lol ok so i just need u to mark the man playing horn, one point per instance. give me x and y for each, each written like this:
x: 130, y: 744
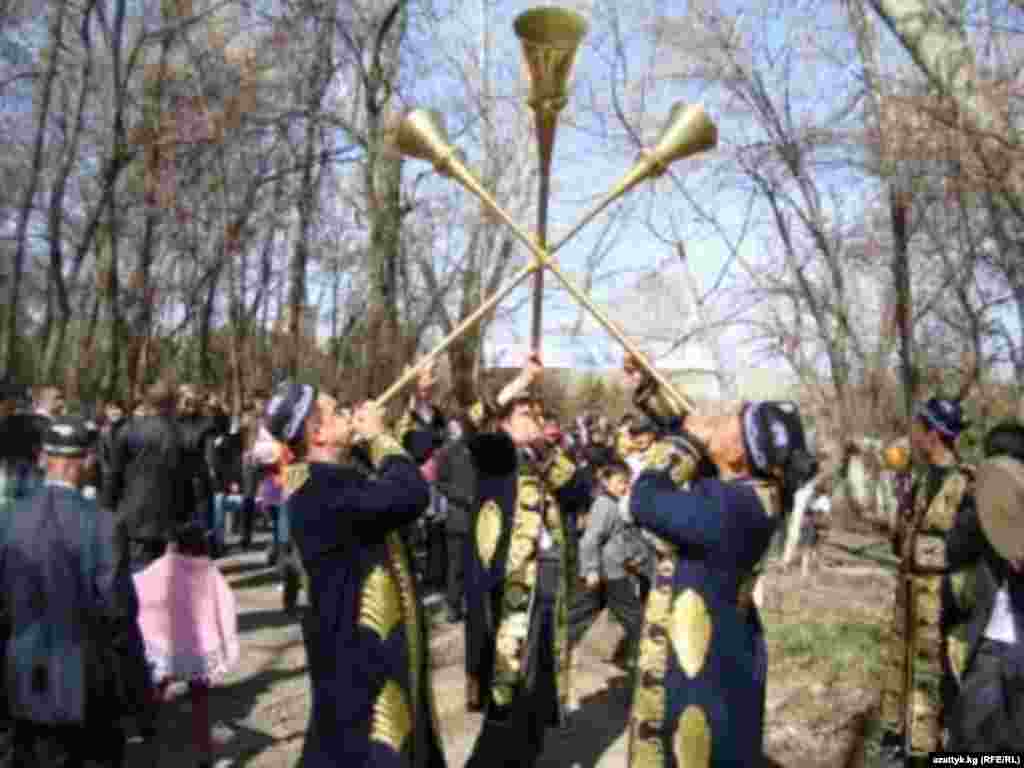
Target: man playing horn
x: 366, y: 637
x: 517, y: 581
x: 699, y: 694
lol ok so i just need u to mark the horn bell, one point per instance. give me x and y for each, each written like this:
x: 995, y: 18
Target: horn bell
x: 422, y: 134
x: 688, y: 131
x: 550, y: 38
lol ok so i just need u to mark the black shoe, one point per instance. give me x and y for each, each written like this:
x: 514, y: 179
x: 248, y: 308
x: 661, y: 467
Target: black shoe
x: 271, y: 557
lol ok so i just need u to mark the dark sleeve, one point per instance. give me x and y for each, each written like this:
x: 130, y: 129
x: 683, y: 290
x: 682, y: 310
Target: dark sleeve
x: 113, y: 474
x: 965, y: 542
x: 713, y: 519
x: 448, y: 480
x: 685, y: 518
x: 370, y: 507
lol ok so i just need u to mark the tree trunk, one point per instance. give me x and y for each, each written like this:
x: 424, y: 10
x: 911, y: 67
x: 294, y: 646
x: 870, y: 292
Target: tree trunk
x: 9, y: 341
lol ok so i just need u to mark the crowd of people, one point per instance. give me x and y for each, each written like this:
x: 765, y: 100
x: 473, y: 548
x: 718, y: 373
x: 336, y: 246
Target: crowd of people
x: 523, y: 528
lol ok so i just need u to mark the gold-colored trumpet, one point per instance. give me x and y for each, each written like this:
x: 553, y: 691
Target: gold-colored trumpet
x: 550, y: 38
x: 421, y: 133
x: 687, y: 132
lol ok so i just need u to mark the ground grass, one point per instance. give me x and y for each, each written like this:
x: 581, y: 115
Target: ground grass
x: 844, y: 647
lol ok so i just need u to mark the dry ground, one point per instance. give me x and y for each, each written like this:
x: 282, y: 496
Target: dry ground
x: 824, y: 673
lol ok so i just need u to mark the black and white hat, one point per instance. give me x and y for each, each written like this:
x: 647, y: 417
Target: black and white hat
x: 67, y: 437
x: 287, y: 411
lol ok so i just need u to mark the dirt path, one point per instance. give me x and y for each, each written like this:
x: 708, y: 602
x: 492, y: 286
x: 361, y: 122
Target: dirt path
x: 817, y: 695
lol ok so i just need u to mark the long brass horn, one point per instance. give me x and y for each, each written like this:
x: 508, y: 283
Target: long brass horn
x: 550, y: 38
x: 421, y: 133
x: 687, y: 132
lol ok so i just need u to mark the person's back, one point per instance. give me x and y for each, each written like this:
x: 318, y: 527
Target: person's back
x: 149, y: 488
x: 54, y: 576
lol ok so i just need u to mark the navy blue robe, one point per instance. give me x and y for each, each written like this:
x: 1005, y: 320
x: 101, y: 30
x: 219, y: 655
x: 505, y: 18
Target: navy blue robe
x: 366, y: 638
x: 699, y: 698
x: 518, y: 606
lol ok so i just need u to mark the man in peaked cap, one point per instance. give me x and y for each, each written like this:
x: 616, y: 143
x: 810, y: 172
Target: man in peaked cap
x: 366, y: 636
x: 924, y: 650
x: 988, y: 714
x: 61, y: 590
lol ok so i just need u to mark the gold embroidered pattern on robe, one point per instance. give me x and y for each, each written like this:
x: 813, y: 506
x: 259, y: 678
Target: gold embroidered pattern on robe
x: 647, y: 717
x: 410, y: 612
x: 691, y: 632
x: 693, y: 739
x: 925, y: 549
x: 561, y: 471
x: 520, y: 581
x: 488, y: 531
x: 392, y: 720
x: 295, y: 476
x: 380, y: 606
x: 384, y: 446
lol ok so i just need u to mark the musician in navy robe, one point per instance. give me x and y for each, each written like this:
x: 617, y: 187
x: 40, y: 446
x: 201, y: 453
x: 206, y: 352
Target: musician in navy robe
x: 712, y: 499
x: 366, y: 637
x: 518, y: 582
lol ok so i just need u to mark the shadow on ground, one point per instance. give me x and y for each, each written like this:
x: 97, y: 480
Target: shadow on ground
x: 591, y: 730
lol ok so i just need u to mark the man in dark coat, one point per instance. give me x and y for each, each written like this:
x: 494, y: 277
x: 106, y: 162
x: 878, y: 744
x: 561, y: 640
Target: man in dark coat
x: 149, y: 487
x: 988, y: 539
x: 199, y: 431
x: 60, y: 588
x: 456, y: 481
x: 366, y: 637
x: 518, y: 583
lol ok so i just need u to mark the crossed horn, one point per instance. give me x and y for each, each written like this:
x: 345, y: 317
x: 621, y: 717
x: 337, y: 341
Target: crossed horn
x: 550, y: 38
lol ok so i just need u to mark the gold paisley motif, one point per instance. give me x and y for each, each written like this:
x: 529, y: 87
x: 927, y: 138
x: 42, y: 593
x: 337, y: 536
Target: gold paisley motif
x: 693, y: 739
x: 683, y: 470
x: 561, y: 471
x: 520, y: 551
x: 392, y: 720
x: 646, y: 753
x: 691, y: 632
x: 528, y: 493
x: 295, y: 476
x: 488, y: 531
x: 410, y: 611
x: 659, y: 604
x: 653, y: 656
x: 658, y: 456
x: 380, y: 607
x: 649, y: 705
